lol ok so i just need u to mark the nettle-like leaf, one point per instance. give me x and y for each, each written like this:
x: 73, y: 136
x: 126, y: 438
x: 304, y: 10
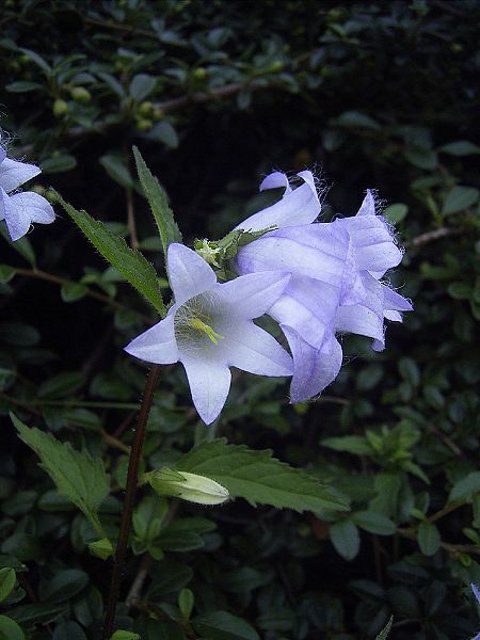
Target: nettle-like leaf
x: 133, y: 266
x: 157, y: 199
x: 383, y: 635
x: 76, y: 474
x: 259, y: 478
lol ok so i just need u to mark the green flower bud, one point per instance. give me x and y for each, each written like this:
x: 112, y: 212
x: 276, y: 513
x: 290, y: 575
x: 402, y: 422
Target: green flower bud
x: 143, y: 124
x: 145, y: 108
x: 200, y: 73
x: 60, y: 108
x: 80, y: 94
x: 101, y: 548
x: 188, y: 486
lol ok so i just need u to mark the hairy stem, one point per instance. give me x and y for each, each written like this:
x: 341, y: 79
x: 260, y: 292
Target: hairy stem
x: 129, y: 501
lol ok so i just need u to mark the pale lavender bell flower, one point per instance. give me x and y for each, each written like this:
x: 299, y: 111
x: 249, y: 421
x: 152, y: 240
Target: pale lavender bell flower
x: 476, y: 593
x: 336, y: 271
x: 210, y: 328
x: 19, y: 210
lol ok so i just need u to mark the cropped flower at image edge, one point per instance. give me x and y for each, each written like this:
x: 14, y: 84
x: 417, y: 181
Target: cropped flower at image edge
x: 19, y: 210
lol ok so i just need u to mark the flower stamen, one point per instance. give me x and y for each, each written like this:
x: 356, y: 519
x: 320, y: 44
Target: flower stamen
x: 200, y: 325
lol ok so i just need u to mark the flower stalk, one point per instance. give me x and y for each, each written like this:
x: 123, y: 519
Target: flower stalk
x: 129, y: 502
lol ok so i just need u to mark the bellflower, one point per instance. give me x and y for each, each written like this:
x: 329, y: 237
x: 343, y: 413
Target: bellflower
x: 476, y: 593
x: 19, y: 210
x: 209, y: 328
x: 335, y: 286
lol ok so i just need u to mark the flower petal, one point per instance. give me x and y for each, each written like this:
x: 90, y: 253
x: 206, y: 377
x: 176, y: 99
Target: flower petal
x: 209, y: 382
x: 157, y: 344
x: 314, y: 369
x: 34, y: 206
x: 297, y: 250
x: 275, y: 180
x: 375, y: 248
x: 308, y: 306
x: 16, y: 218
x: 394, y: 301
x: 300, y: 206
x: 252, y: 295
x: 365, y: 319
x: 367, y: 208
x: 252, y: 349
x: 14, y: 173
x: 188, y: 273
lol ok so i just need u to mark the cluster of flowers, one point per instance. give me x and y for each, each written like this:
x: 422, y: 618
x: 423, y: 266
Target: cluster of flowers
x: 20, y: 210
x: 315, y: 279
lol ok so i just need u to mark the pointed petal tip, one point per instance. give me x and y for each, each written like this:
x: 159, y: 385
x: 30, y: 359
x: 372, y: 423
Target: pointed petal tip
x: 368, y: 205
x: 275, y: 180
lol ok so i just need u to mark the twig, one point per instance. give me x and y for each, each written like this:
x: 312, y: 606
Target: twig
x: 132, y: 228
x: 431, y: 236
x: 50, y: 277
x: 137, y: 584
x: 129, y: 501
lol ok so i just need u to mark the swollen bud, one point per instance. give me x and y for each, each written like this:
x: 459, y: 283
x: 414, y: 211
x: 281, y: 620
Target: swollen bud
x: 188, y: 486
x: 80, y: 94
x: 60, y: 108
x: 101, y: 548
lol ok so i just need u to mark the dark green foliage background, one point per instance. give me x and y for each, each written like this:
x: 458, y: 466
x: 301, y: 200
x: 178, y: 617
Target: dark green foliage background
x: 215, y: 94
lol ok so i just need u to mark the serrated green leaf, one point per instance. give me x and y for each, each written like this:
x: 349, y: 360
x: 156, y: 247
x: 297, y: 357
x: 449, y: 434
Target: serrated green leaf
x: 221, y: 625
x: 383, y: 635
x: 259, y: 478
x: 131, y: 264
x: 157, y: 199
x: 76, y: 474
x: 428, y: 538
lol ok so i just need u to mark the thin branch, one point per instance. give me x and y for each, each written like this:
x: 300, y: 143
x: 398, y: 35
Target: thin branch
x: 50, y: 277
x: 432, y: 236
x: 129, y: 502
x: 132, y: 227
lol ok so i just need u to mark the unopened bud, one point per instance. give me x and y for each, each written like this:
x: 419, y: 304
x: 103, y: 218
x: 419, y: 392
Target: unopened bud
x: 80, y: 94
x: 188, y: 486
x: 60, y: 108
